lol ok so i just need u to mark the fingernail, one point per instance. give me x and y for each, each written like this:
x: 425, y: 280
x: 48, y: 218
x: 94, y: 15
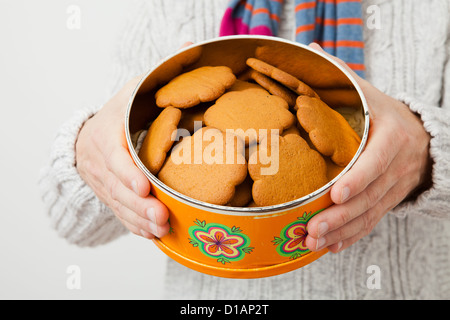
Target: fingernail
x: 320, y: 243
x: 345, y: 194
x: 322, y: 228
x: 144, y: 233
x: 339, y: 246
x: 134, y: 186
x: 151, y: 214
x: 153, y: 228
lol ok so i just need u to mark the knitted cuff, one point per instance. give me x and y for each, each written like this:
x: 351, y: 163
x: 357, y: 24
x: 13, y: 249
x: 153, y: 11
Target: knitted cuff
x: 432, y: 202
x: 74, y: 210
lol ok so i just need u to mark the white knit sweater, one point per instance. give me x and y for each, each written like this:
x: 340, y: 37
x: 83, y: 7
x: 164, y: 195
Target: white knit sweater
x: 408, y: 58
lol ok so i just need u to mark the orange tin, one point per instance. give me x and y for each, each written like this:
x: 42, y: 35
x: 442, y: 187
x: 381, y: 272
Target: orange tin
x: 239, y: 242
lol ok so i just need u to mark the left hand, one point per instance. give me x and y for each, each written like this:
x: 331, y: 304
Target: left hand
x: 394, y: 163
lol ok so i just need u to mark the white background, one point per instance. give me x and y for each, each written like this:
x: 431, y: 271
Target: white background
x: 46, y: 72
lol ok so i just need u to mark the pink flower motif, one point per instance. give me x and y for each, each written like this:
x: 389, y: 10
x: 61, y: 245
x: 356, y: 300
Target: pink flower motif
x: 217, y: 241
x: 297, y: 235
x: 291, y: 241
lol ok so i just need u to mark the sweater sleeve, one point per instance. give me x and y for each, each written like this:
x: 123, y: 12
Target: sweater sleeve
x: 74, y: 210
x: 434, y: 201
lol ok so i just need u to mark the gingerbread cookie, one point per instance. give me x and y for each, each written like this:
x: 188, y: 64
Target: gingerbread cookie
x: 249, y: 111
x: 171, y: 68
x: 228, y: 53
x: 159, y: 139
x: 274, y: 87
x: 328, y: 130
x: 252, y: 204
x: 200, y: 166
x: 291, y: 130
x: 300, y: 171
x: 309, y: 67
x: 190, y: 116
x: 199, y: 85
x: 340, y: 98
x: 246, y: 75
x: 243, y: 194
x: 333, y: 170
x: 240, y: 85
x: 282, y: 77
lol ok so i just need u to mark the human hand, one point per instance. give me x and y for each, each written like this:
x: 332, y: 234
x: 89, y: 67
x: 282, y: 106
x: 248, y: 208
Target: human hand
x: 104, y: 163
x: 395, y: 163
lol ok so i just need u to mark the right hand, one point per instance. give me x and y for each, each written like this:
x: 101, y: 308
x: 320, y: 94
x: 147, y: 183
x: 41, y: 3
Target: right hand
x: 104, y: 163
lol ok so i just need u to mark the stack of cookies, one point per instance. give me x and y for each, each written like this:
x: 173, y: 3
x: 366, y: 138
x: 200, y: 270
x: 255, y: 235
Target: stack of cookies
x: 256, y: 139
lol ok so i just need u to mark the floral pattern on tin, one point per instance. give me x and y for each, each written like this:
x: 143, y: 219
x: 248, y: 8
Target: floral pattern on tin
x: 219, y: 241
x: 291, y: 242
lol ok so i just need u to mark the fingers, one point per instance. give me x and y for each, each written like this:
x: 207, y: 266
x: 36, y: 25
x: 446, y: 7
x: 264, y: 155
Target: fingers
x: 119, y: 162
x: 348, y: 233
x: 373, y: 162
x: 339, y: 226
x: 147, y: 214
x: 389, y: 168
x: 141, y: 227
x: 144, y: 216
x: 117, y: 159
x: 125, y: 189
x: 105, y: 164
x: 341, y: 214
x: 342, y: 238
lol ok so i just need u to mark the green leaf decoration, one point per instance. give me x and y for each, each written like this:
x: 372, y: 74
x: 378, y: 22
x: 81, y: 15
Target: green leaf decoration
x: 201, y: 224
x: 295, y: 256
x: 223, y: 260
x: 277, y: 240
x: 193, y: 242
x: 248, y: 250
x: 308, y: 215
x: 236, y: 229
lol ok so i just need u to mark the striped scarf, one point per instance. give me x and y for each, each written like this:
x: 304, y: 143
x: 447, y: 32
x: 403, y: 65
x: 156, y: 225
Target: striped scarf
x: 336, y: 25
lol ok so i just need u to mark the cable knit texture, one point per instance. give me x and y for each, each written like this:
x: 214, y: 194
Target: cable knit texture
x: 74, y: 210
x: 407, y: 58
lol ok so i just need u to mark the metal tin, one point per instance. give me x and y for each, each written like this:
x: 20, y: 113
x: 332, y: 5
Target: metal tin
x: 238, y: 242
